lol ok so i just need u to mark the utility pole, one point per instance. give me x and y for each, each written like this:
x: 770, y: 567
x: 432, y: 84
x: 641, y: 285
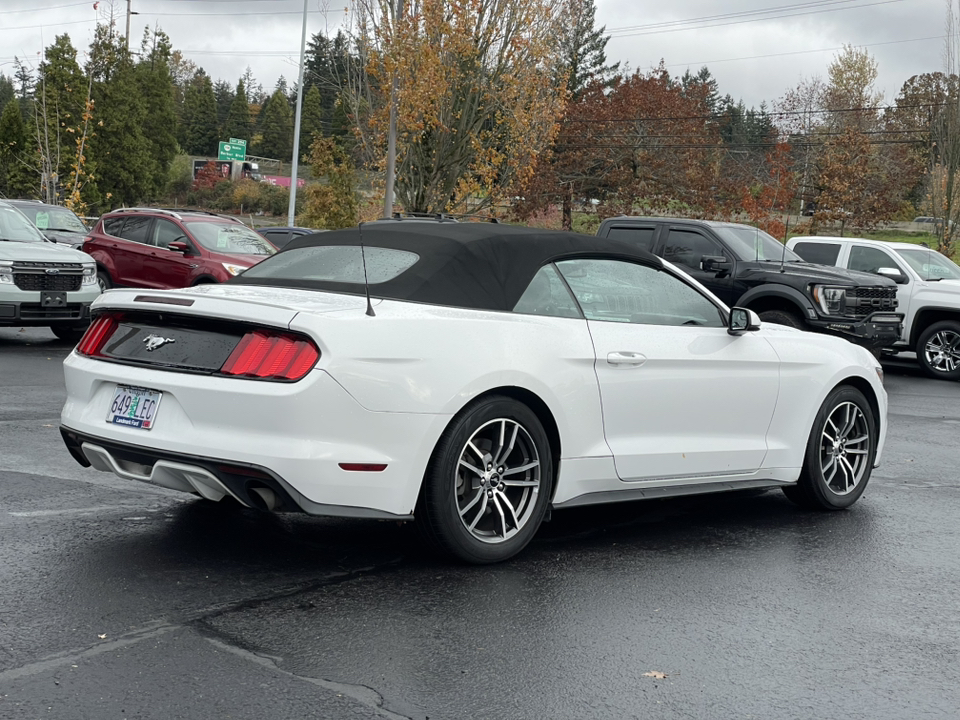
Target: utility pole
x: 291, y: 208
x: 392, y: 132
x: 129, y: 13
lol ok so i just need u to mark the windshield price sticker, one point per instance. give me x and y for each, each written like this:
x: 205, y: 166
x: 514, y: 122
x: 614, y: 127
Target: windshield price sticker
x: 134, y: 407
x: 43, y: 220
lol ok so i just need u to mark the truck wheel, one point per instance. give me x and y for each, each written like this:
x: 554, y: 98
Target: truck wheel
x: 781, y: 317
x: 938, y: 350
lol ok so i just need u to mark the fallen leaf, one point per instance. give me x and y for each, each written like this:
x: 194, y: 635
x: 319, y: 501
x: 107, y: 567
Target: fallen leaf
x: 655, y: 674
x: 102, y: 637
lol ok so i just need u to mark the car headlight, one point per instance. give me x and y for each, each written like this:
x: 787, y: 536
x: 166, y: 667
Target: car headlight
x: 233, y: 269
x: 6, y: 272
x: 89, y: 274
x: 830, y: 299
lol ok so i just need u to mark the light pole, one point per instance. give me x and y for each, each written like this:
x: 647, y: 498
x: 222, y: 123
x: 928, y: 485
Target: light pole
x: 291, y: 208
x: 392, y: 132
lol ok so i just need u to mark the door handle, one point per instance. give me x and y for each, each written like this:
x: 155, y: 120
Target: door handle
x: 628, y: 359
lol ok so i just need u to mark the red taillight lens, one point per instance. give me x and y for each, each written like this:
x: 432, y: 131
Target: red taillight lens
x: 97, y: 335
x: 271, y: 356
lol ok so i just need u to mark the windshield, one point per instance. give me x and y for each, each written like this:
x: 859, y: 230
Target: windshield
x: 15, y: 227
x: 752, y: 244
x: 53, y: 218
x: 229, y: 237
x: 930, y: 265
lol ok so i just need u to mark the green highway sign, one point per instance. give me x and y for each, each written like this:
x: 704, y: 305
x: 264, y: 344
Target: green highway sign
x: 238, y: 141
x: 232, y: 151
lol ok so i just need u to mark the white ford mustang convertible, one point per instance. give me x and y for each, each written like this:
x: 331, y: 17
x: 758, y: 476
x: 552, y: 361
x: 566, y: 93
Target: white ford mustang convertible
x: 469, y: 375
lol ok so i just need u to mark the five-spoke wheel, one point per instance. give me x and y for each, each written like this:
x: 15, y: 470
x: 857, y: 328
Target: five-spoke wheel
x: 840, y: 452
x: 488, y: 484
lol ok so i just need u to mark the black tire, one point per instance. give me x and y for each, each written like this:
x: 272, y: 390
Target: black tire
x: 103, y: 280
x: 938, y: 351
x: 828, y: 487
x: 69, y: 333
x: 781, y: 317
x: 454, y: 497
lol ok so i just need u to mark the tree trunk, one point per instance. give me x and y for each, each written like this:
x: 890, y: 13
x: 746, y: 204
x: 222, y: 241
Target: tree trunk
x: 568, y: 207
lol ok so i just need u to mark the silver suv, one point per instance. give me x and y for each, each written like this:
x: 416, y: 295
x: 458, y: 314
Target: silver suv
x: 42, y: 283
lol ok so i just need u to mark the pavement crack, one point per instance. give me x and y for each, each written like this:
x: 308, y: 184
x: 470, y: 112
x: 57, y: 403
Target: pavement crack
x: 362, y: 694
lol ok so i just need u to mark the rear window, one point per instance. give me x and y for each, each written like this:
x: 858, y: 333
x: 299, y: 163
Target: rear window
x: 642, y: 237
x: 336, y: 264
x: 818, y: 253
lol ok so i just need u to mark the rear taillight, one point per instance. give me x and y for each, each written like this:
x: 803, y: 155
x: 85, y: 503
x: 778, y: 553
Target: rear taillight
x: 271, y: 356
x: 97, y: 335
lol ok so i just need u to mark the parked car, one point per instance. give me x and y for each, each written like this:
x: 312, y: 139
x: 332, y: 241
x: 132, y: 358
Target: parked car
x: 747, y: 267
x: 57, y: 223
x: 928, y: 291
x: 280, y: 236
x: 491, y: 373
x: 41, y: 283
x: 157, y: 248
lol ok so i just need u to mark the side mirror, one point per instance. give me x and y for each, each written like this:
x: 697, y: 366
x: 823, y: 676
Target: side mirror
x: 742, y: 320
x: 715, y: 263
x: 179, y: 246
x: 894, y: 274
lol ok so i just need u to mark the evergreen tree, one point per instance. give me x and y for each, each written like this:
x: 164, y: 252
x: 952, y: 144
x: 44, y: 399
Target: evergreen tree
x: 582, y: 48
x: 126, y: 167
x: 311, y: 117
x: 238, y: 120
x: 16, y: 177
x: 24, y: 82
x: 201, y: 136
x: 7, y: 91
x: 156, y: 88
x: 277, y: 127
x: 702, y: 84
x: 328, y: 64
x: 223, y: 94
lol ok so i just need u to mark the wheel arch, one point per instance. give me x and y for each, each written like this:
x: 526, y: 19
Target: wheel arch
x: 864, y: 387
x: 786, y: 298
x: 927, y: 317
x: 539, y: 408
x: 204, y: 280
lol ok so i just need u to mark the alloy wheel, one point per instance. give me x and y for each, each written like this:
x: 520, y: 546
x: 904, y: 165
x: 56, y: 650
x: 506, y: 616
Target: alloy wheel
x: 844, y: 448
x: 497, y: 480
x: 941, y: 352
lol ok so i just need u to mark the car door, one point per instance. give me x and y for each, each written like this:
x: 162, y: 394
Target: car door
x: 681, y: 397
x: 867, y: 258
x: 131, y: 254
x: 170, y: 268
x: 686, y: 247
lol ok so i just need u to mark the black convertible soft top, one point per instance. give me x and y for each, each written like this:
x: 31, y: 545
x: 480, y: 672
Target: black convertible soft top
x: 482, y: 266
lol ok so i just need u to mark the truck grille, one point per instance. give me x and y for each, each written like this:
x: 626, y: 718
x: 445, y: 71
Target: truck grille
x: 34, y: 276
x: 863, y: 301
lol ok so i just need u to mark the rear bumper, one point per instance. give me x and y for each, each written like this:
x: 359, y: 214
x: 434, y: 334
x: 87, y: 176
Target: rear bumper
x: 877, y: 330
x: 236, y: 435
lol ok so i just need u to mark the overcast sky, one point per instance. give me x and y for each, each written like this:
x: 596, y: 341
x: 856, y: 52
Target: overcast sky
x: 755, y: 48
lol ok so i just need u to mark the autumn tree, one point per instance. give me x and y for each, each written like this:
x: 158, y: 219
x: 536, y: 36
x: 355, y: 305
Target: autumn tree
x: 333, y: 202
x: 476, y: 104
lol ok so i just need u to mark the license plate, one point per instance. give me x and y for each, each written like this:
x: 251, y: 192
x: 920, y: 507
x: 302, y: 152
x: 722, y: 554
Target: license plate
x: 134, y: 407
x: 53, y: 299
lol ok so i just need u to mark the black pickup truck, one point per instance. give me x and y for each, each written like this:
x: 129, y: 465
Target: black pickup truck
x: 748, y: 268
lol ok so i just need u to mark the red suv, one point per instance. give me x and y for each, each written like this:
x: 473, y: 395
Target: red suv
x: 154, y: 248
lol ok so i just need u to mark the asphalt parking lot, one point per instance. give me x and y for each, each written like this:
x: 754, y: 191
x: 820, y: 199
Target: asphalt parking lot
x: 118, y: 600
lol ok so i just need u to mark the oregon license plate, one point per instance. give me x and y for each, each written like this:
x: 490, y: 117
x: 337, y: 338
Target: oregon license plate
x: 134, y: 407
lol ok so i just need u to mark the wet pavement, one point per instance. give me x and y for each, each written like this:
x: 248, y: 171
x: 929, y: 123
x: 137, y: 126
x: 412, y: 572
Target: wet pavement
x: 118, y: 600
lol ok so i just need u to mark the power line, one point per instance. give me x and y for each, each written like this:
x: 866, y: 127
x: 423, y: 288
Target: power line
x: 52, y: 7
x: 53, y: 24
x: 766, y: 113
x: 802, y: 52
x: 728, y: 16
x: 752, y: 20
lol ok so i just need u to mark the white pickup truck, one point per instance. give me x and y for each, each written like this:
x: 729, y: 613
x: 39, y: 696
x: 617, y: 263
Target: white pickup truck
x: 928, y: 291
x: 43, y: 283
